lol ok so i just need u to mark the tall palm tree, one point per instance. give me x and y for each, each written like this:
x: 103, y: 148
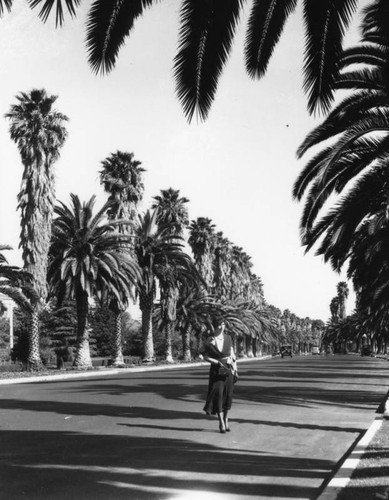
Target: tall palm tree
x: 156, y: 253
x: 206, y: 37
x: 88, y: 260
x: 334, y: 309
x: 201, y: 240
x: 172, y: 211
x: 342, y: 293
x: 172, y: 215
x: 39, y: 132
x: 222, y: 265
x: 122, y: 178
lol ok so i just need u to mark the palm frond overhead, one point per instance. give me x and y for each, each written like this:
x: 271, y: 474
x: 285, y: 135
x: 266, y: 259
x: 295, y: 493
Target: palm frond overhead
x: 5, y: 5
x: 265, y: 26
x: 325, y: 22
x: 48, y: 5
x: 364, y: 53
x: 108, y: 25
x: 205, y: 40
x: 365, y: 78
x: 351, y: 109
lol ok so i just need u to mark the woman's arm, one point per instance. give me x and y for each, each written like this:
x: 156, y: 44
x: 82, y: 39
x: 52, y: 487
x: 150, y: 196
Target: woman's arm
x: 213, y: 361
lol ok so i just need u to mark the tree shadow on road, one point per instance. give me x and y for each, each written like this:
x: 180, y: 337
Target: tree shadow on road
x: 64, y: 465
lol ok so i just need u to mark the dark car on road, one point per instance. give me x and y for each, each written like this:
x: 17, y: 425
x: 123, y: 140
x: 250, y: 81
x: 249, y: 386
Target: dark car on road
x: 286, y: 350
x: 366, y: 350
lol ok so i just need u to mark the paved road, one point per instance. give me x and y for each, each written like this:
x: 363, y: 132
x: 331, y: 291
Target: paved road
x: 144, y: 437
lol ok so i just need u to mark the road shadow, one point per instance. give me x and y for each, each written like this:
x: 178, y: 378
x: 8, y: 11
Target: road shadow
x: 63, y: 465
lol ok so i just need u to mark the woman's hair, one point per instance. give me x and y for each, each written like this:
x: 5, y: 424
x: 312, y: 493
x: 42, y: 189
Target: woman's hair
x: 216, y: 322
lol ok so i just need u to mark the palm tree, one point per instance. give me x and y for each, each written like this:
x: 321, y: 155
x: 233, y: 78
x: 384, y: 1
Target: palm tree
x: 201, y: 240
x: 342, y: 292
x: 334, y: 308
x: 222, y: 265
x: 172, y: 216
x: 15, y: 283
x: 122, y: 177
x: 353, y: 166
x: 88, y: 260
x: 172, y: 211
x: 39, y: 132
x: 156, y: 253
x: 206, y: 37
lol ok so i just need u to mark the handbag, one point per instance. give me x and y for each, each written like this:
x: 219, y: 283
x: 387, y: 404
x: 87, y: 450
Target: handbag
x: 223, y: 371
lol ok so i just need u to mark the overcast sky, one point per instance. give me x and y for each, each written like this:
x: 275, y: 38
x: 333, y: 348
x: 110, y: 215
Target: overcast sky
x: 238, y: 168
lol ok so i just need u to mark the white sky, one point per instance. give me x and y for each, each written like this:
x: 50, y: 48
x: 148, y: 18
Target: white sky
x: 238, y: 168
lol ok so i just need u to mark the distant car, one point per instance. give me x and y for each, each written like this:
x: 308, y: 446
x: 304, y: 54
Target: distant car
x: 366, y: 350
x: 286, y: 350
x: 315, y: 350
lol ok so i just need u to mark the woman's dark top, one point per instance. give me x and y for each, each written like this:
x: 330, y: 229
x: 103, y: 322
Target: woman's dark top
x: 220, y: 387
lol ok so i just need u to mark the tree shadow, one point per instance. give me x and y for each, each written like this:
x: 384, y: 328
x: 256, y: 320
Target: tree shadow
x: 65, y: 465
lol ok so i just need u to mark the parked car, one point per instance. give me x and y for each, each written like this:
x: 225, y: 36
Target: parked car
x: 315, y: 350
x: 286, y: 350
x: 366, y: 350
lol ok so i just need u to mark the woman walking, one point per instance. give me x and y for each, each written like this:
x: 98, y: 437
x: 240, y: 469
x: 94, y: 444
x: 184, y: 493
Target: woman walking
x: 219, y: 352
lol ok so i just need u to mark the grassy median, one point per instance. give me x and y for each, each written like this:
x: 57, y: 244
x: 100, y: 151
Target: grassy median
x: 370, y: 479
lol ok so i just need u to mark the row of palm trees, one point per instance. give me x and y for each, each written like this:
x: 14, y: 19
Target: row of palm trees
x: 117, y: 254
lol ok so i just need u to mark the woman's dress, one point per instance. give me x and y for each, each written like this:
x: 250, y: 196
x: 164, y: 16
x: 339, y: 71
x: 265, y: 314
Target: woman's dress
x: 220, y: 387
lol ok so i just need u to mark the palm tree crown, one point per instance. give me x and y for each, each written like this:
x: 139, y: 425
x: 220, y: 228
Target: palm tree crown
x: 121, y: 176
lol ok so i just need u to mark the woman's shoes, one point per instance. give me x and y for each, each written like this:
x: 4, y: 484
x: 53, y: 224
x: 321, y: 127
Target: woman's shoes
x: 227, y: 427
x: 222, y: 429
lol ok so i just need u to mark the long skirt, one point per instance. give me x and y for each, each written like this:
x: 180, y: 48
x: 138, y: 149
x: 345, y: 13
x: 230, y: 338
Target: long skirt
x: 220, y: 390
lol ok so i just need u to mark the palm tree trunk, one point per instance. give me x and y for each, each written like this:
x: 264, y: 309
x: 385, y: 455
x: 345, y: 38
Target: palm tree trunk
x: 146, y: 306
x: 249, y: 346
x: 186, y: 344
x: 118, y: 353
x: 34, y: 359
x: 82, y: 358
x: 169, y: 329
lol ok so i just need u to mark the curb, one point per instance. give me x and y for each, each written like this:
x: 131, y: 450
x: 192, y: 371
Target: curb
x: 109, y: 372
x: 343, y: 475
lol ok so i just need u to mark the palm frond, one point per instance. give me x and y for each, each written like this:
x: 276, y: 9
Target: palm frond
x: 47, y: 6
x: 108, y: 25
x: 5, y: 5
x: 326, y: 22
x: 365, y: 78
x: 265, y: 25
x: 205, y: 40
x: 348, y: 111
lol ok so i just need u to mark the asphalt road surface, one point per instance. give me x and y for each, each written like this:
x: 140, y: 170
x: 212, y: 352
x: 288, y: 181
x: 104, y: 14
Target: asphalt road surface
x: 143, y: 436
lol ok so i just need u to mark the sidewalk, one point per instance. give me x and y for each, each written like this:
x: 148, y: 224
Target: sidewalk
x: 101, y: 372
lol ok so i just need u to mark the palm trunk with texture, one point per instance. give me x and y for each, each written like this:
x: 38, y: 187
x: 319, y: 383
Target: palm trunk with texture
x: 146, y: 306
x: 82, y: 358
x: 186, y: 344
x: 118, y: 353
x: 169, y: 329
x: 34, y: 359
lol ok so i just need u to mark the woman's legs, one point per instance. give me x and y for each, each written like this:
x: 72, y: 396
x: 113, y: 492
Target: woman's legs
x: 225, y: 419
x: 222, y: 426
